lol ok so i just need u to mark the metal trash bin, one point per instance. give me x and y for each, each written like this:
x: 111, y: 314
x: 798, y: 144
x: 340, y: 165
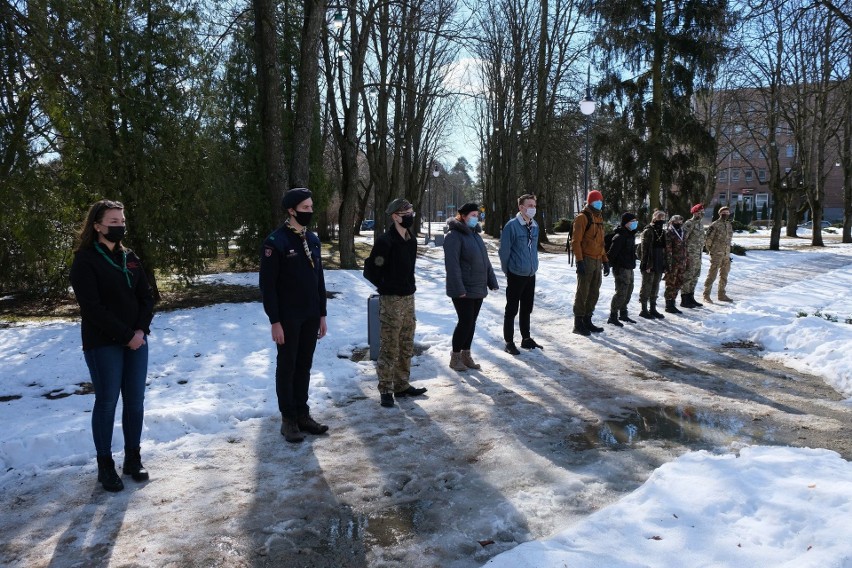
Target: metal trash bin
x: 373, y: 326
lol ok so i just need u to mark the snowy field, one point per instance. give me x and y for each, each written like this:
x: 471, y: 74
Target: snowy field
x: 211, y: 413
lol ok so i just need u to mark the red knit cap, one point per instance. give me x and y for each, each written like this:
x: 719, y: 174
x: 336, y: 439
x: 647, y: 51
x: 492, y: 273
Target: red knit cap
x: 696, y: 208
x: 594, y: 195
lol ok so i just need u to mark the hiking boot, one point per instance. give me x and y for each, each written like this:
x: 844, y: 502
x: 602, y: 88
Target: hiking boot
x: 410, y: 391
x: 580, y: 326
x: 622, y: 315
x: 613, y: 319
x: 290, y: 431
x: 387, y: 400
x: 132, y: 465
x: 686, y: 300
x: 645, y: 313
x: 654, y: 313
x: 456, y: 362
x: 511, y: 348
x: 706, y: 298
x: 107, y: 475
x: 695, y: 303
x: 467, y: 360
x: 590, y: 326
x: 311, y: 426
x: 672, y: 308
x: 724, y: 298
x: 529, y: 343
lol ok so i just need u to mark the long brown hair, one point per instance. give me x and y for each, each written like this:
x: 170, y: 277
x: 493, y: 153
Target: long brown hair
x: 87, y: 237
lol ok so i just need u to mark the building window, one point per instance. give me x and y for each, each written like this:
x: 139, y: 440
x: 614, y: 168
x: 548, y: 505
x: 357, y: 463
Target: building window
x: 723, y: 175
x: 790, y: 150
x: 735, y: 175
x: 761, y: 174
x: 723, y: 199
x: 761, y: 204
x: 749, y: 175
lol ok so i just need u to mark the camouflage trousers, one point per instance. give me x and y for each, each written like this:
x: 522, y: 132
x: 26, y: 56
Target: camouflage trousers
x: 650, y: 287
x: 623, y: 288
x: 719, y: 264
x: 588, y: 288
x: 693, y: 271
x: 674, y: 282
x: 396, y: 342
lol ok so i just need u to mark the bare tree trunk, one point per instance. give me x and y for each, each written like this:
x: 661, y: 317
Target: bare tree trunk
x: 305, y: 98
x: 269, y: 81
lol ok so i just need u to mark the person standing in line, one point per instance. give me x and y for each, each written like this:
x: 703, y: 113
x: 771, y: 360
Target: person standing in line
x: 622, y: 258
x: 519, y: 262
x: 693, y: 230
x: 292, y: 285
x: 652, y: 264
x: 116, y: 309
x: 720, y: 233
x: 588, y: 244
x: 676, y: 262
x: 469, y: 277
x: 390, y: 267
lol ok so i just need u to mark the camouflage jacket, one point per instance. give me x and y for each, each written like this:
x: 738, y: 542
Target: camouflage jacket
x: 719, y: 235
x: 676, y: 258
x: 693, y: 230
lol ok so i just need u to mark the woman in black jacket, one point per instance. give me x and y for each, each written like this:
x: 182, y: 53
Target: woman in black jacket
x: 116, y: 307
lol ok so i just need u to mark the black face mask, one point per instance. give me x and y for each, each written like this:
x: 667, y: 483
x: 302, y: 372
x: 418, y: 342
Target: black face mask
x: 407, y: 221
x: 303, y: 217
x: 659, y: 224
x: 677, y: 226
x: 115, y: 233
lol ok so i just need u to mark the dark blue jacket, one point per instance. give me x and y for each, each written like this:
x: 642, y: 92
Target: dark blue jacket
x: 469, y: 271
x: 622, y: 252
x: 290, y: 286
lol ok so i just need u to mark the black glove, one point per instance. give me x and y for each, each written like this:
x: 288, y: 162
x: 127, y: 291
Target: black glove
x: 606, y: 268
x: 581, y: 267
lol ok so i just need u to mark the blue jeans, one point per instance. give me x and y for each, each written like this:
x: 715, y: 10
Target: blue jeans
x: 116, y: 369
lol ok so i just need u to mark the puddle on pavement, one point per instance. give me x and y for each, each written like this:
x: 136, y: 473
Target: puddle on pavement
x: 682, y: 424
x: 385, y: 528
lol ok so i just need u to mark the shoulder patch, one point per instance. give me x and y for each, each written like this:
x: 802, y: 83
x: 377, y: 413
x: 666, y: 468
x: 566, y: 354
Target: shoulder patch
x: 379, y: 261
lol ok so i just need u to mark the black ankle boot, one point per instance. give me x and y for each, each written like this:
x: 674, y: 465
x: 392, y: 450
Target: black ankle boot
x: 613, y: 319
x: 645, y: 313
x: 672, y: 308
x: 580, y: 326
x: 654, y: 313
x: 133, y: 465
x: 622, y: 315
x: 107, y: 474
x: 590, y: 326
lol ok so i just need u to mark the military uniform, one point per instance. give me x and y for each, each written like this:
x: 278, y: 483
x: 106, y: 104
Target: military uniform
x: 676, y: 263
x: 718, y: 243
x: 694, y: 234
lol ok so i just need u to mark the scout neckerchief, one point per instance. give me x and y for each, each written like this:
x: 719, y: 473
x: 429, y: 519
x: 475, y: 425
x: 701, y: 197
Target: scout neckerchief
x: 123, y: 268
x: 304, y: 240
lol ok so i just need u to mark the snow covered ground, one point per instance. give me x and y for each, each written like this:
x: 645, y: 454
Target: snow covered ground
x: 460, y: 468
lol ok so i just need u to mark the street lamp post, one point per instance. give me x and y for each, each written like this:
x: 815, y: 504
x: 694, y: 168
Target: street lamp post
x: 435, y: 174
x: 587, y: 107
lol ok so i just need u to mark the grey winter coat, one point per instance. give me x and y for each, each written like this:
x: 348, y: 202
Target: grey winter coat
x: 469, y: 271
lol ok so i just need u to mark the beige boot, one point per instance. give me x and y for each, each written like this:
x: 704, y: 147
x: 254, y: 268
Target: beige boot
x: 724, y: 297
x: 456, y: 363
x: 706, y: 297
x: 468, y: 361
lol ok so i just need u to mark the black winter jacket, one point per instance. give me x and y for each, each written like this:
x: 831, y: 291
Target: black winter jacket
x: 622, y: 252
x: 291, y: 288
x: 114, y: 301
x: 390, y: 266
x: 653, y: 250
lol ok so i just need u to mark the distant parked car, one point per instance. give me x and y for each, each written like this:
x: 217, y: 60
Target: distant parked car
x: 809, y: 224
x: 367, y: 224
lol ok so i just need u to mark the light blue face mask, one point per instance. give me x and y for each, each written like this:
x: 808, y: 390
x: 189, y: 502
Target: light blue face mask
x: 597, y: 205
x: 632, y: 225
x: 473, y: 222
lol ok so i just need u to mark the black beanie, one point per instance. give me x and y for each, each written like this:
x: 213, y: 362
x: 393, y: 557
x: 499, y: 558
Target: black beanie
x: 626, y: 218
x: 294, y: 197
